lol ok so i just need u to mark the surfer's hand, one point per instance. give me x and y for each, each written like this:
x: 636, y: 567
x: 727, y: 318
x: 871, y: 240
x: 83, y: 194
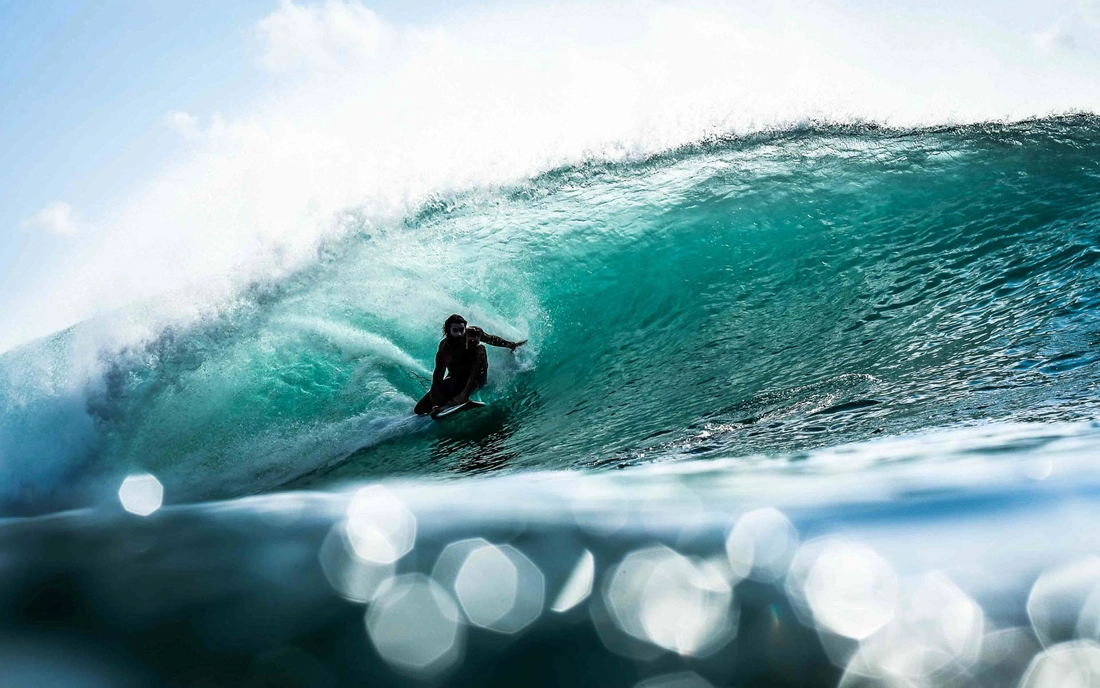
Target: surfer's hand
x: 435, y: 410
x: 514, y: 345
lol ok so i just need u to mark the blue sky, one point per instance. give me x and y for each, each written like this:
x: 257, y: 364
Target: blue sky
x: 86, y: 87
x: 85, y: 92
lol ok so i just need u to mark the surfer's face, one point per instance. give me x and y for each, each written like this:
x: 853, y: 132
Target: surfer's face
x: 456, y: 331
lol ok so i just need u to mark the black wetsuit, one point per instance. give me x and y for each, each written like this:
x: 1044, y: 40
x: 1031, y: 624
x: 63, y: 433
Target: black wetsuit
x: 460, y: 361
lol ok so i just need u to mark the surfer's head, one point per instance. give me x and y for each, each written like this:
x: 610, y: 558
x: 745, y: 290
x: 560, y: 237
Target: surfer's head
x: 455, y: 327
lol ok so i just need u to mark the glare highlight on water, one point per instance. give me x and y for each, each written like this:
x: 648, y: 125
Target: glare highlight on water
x: 379, y: 526
x: 497, y: 586
x: 141, y: 494
x: 353, y: 577
x: 662, y: 597
x: 578, y: 586
x: 761, y: 544
x: 935, y: 636
x: 1062, y: 602
x: 1073, y: 664
x: 414, y: 625
x: 851, y: 590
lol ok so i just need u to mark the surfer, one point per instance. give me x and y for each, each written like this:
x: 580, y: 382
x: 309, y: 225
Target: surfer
x: 462, y: 354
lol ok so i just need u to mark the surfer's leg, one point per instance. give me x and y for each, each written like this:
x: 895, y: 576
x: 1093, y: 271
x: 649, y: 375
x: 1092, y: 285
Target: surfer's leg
x: 424, y: 405
x: 448, y: 389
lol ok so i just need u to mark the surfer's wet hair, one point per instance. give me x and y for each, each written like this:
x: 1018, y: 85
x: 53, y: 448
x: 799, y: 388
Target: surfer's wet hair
x: 456, y: 318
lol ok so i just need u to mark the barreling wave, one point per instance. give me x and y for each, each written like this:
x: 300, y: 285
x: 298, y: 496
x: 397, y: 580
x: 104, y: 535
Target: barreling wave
x: 768, y: 294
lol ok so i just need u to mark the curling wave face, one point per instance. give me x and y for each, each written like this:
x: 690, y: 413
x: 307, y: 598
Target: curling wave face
x: 768, y: 294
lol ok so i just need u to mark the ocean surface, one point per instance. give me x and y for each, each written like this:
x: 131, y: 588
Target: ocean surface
x: 809, y: 407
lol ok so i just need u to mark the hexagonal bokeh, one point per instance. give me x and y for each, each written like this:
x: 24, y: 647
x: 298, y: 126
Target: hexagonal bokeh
x: 141, y: 494
x: 851, y: 589
x: 662, y: 597
x: 486, y: 585
x: 497, y: 586
x: 936, y: 631
x: 761, y: 544
x: 1075, y: 664
x: 380, y: 527
x: 1062, y: 597
x: 415, y: 626
x: 352, y: 577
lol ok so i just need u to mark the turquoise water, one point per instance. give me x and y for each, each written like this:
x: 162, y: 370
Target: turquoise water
x: 767, y: 294
x: 849, y: 375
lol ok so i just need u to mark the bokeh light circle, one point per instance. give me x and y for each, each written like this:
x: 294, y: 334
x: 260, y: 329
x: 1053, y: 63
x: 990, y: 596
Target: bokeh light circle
x: 141, y: 494
x: 414, y: 625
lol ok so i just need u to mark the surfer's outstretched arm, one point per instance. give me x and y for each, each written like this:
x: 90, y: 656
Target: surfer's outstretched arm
x: 503, y: 343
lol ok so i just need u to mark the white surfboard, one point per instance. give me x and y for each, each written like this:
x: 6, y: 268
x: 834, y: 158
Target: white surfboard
x: 458, y: 408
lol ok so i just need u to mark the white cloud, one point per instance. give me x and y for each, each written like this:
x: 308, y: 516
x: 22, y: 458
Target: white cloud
x: 187, y: 126
x: 328, y: 37
x: 1054, y: 38
x: 56, y: 218
x: 1078, y: 30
